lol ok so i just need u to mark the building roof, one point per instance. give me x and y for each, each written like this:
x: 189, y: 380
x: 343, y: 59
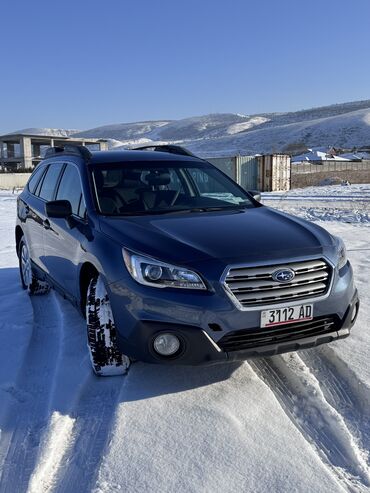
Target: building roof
x: 318, y: 154
x: 17, y: 136
x: 356, y: 156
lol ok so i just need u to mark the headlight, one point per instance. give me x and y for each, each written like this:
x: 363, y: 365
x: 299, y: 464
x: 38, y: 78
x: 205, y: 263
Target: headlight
x: 151, y: 272
x: 341, y: 252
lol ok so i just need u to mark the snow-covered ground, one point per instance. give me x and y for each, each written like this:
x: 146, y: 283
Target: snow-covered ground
x: 297, y: 422
x: 347, y: 204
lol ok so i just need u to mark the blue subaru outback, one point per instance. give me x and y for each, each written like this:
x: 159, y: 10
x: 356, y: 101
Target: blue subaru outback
x: 172, y: 262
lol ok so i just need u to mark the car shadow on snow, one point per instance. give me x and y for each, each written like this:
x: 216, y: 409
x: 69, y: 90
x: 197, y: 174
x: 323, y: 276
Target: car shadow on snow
x: 15, y: 306
x: 151, y: 380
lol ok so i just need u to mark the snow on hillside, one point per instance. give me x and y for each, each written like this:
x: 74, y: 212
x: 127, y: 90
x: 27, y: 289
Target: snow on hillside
x: 187, y: 129
x: 205, y: 127
x: 298, y: 422
x: 123, y: 131
x: 340, y: 125
x: 346, y: 130
x: 242, y: 126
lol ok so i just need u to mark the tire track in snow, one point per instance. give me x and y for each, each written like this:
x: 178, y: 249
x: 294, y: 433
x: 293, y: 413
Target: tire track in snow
x: 83, y: 408
x: 94, y: 415
x: 299, y: 393
x: 27, y: 417
x: 343, y: 391
x: 70, y: 376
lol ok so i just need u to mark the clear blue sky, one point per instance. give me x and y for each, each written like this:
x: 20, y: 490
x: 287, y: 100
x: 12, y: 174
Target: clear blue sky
x: 81, y: 64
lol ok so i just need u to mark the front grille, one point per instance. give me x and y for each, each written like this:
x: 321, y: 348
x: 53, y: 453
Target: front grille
x: 247, y: 339
x: 253, y: 286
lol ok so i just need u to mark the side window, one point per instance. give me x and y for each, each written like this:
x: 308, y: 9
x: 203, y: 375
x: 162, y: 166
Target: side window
x: 34, y: 179
x: 50, y: 181
x: 70, y: 189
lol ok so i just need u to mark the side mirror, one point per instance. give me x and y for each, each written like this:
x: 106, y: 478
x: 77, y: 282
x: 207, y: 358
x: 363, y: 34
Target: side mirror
x: 256, y: 195
x: 58, y: 209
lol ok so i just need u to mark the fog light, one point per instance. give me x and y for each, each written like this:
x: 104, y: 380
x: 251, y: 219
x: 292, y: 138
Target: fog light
x: 166, y: 344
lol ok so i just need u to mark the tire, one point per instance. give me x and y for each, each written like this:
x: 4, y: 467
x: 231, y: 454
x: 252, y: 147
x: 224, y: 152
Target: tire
x: 106, y: 357
x: 29, y: 280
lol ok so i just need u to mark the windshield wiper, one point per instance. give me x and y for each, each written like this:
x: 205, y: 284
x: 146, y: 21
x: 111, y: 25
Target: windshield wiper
x: 184, y: 211
x: 150, y: 213
x: 219, y: 208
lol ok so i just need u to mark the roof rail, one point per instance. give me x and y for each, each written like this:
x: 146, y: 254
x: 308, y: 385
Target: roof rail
x: 172, y: 149
x: 69, y: 149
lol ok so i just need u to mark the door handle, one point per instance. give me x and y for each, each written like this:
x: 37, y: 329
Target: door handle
x: 46, y: 224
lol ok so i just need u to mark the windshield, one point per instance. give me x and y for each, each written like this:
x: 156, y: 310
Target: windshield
x: 163, y: 188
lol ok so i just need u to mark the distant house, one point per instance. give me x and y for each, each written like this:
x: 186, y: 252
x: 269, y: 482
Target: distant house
x: 24, y: 151
x: 356, y: 156
x: 322, y: 155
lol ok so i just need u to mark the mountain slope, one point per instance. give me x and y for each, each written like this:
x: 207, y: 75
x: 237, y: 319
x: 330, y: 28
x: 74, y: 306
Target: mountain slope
x: 341, y: 125
x: 187, y: 129
x: 124, y: 131
x: 346, y: 130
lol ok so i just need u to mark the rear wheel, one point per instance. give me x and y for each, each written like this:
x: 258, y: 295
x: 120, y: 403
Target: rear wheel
x: 106, y: 357
x: 29, y: 279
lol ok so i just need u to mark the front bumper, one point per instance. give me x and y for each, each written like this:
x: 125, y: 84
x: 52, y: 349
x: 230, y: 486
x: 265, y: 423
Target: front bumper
x: 203, y: 320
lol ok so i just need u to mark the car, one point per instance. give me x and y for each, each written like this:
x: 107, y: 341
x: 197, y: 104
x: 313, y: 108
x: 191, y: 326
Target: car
x: 172, y: 262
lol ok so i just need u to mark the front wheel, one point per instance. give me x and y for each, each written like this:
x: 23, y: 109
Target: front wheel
x: 28, y: 277
x: 106, y: 357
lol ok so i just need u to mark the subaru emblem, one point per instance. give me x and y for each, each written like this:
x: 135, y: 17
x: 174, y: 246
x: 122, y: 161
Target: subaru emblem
x: 283, y: 275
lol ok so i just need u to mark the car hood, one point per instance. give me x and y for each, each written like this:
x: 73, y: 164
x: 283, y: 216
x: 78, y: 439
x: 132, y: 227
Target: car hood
x: 233, y: 236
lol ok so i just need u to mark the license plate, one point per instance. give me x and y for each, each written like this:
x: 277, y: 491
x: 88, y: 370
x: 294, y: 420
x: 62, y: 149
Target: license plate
x: 286, y: 315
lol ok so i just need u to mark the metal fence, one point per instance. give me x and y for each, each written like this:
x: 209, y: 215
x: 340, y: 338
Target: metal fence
x: 242, y: 169
x: 308, y: 174
x: 247, y: 171
x: 331, y: 166
x: 225, y: 164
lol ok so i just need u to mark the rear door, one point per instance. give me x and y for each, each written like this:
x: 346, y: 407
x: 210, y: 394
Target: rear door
x: 28, y: 207
x: 63, y: 239
x: 36, y: 221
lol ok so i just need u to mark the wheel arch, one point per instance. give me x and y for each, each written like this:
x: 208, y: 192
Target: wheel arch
x: 87, y: 272
x: 18, y: 236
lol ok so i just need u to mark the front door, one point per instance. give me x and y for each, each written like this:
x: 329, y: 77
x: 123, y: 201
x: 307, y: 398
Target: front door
x: 64, y: 238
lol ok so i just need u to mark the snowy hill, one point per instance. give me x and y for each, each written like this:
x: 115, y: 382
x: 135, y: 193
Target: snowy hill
x: 340, y: 125
x: 187, y: 129
x: 346, y: 130
x: 124, y: 131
